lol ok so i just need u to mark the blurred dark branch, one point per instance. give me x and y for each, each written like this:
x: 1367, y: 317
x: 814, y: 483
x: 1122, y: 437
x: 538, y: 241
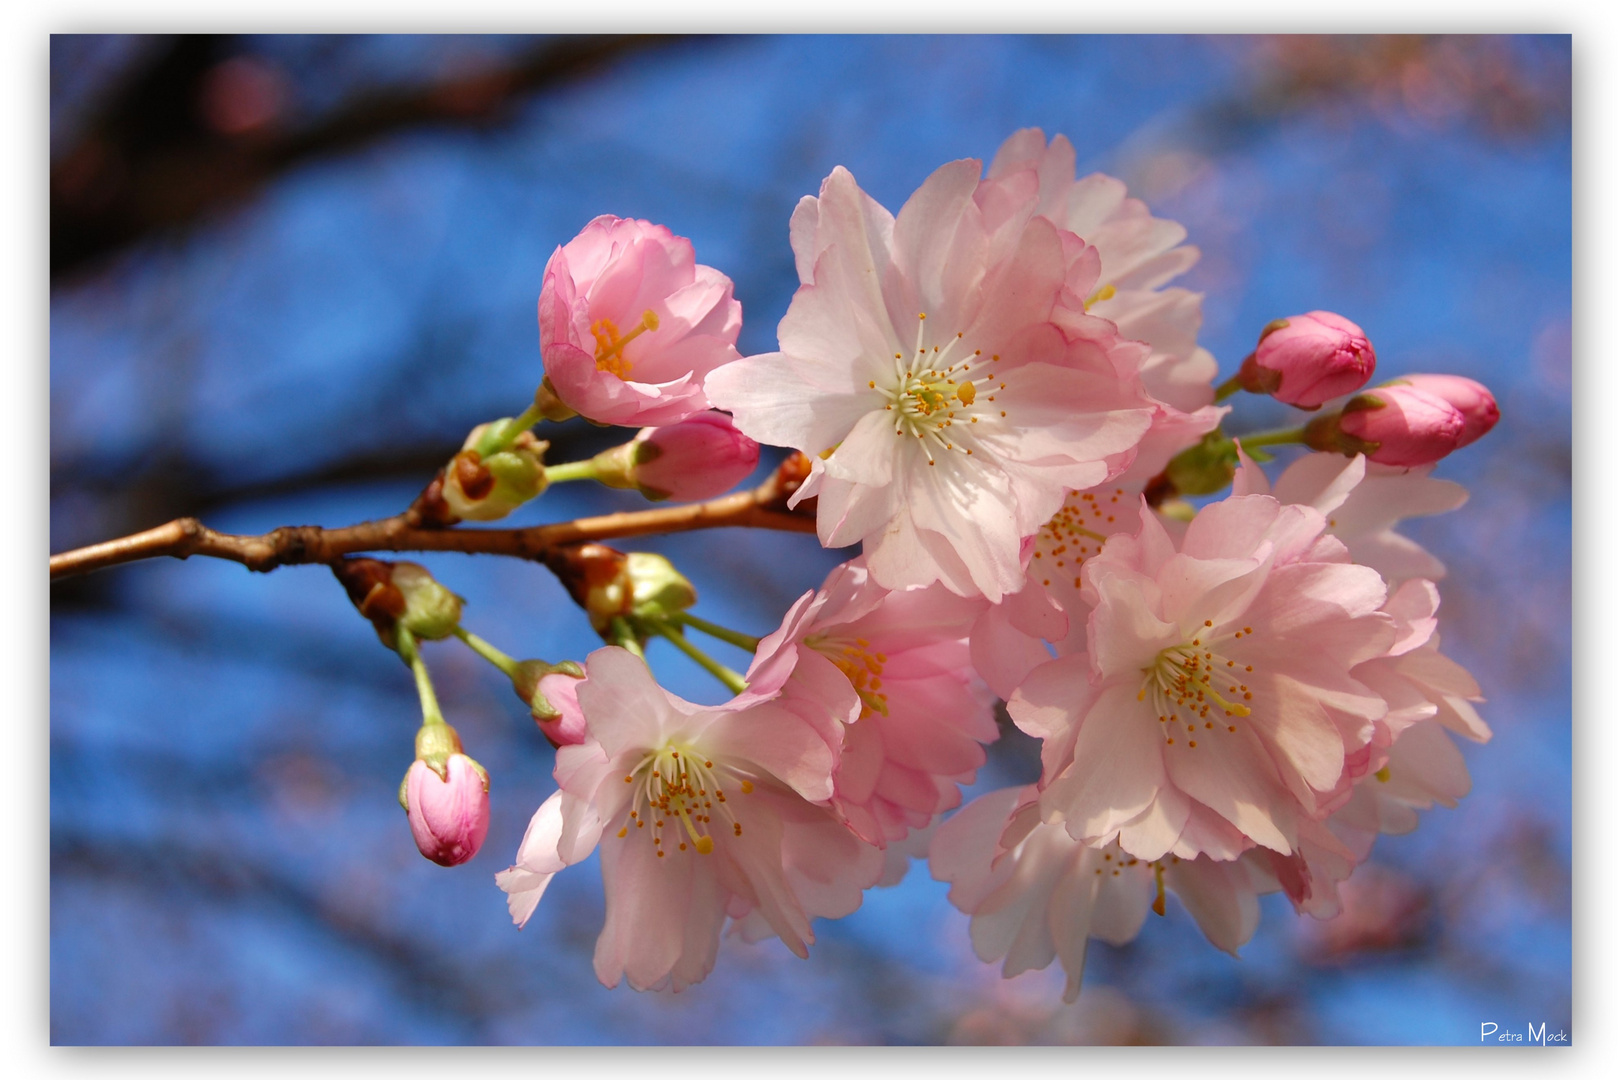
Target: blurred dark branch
x: 762, y: 508
x: 1510, y: 87
x: 155, y: 160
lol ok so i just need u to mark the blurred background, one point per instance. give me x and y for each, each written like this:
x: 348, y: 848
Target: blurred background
x: 289, y: 273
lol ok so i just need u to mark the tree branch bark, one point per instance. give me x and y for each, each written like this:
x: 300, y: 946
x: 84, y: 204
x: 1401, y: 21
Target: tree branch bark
x: 762, y: 508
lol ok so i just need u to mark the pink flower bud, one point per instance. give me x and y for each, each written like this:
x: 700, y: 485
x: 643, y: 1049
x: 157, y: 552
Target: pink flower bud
x: 695, y: 459
x: 449, y: 817
x: 1400, y: 425
x: 1307, y: 360
x: 567, y: 726
x: 1471, y: 399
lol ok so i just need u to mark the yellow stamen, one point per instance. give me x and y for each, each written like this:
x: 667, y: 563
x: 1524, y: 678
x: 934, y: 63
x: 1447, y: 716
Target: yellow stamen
x: 610, y: 347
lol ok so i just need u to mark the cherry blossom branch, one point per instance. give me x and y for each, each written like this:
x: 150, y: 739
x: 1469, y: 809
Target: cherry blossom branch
x: 762, y: 508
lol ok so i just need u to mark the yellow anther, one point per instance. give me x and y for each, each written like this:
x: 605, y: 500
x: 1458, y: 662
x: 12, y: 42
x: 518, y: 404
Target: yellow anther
x: 967, y: 393
x: 610, y: 347
x: 1106, y: 292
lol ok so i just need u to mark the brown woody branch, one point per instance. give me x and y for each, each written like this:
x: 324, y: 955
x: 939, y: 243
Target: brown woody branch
x: 762, y: 508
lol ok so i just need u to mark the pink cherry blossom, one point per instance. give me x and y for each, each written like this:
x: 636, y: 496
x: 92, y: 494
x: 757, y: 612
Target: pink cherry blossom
x: 895, y: 668
x: 1036, y: 894
x: 1215, y: 708
x: 932, y: 368
x: 1410, y: 765
x: 1009, y: 638
x: 630, y: 323
x: 449, y: 816
x: 1137, y: 255
x: 1042, y: 895
x: 1306, y: 360
x: 702, y: 814
x: 1363, y: 502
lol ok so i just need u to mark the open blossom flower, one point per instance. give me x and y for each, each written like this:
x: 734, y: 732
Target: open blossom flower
x: 630, y: 322
x: 947, y: 394
x: 1363, y: 501
x: 896, y: 667
x: 1215, y: 708
x: 1009, y: 639
x: 1410, y: 764
x: 1137, y: 254
x: 1036, y: 894
x: 702, y: 814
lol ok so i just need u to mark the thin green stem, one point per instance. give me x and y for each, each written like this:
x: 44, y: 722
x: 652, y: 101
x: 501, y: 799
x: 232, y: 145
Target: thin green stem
x: 493, y: 655
x: 732, y: 680
x: 713, y: 630
x: 500, y: 436
x: 572, y: 470
x: 1228, y: 387
x: 623, y: 635
x: 1272, y: 438
x: 1087, y: 532
x: 430, y: 712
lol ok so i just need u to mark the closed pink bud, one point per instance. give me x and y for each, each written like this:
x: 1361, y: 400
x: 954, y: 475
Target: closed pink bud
x: 1402, y: 426
x: 697, y: 458
x: 565, y: 726
x: 449, y: 816
x: 1307, y: 360
x: 1471, y: 399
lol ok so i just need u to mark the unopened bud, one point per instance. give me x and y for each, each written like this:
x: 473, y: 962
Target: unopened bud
x: 609, y: 584
x: 1307, y: 360
x: 657, y: 589
x: 526, y: 682
x: 479, y: 487
x: 1471, y: 399
x: 597, y: 577
x: 697, y: 458
x: 1391, y: 425
x: 448, y: 808
x: 431, y: 612
x: 551, y: 692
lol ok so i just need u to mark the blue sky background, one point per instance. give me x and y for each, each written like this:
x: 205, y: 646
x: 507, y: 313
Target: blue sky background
x: 228, y: 861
